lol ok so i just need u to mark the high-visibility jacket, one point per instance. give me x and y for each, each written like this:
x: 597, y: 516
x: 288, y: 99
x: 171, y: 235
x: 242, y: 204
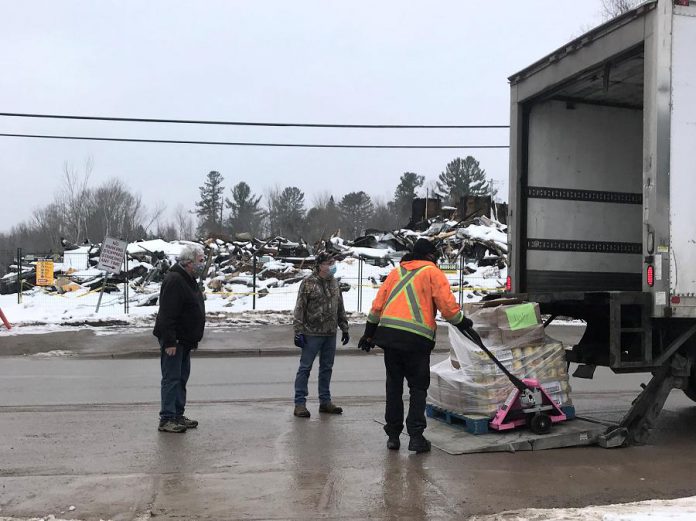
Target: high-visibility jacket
x: 411, y: 296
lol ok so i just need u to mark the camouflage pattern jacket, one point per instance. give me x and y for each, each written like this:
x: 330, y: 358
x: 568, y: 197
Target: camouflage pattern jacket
x: 319, y: 309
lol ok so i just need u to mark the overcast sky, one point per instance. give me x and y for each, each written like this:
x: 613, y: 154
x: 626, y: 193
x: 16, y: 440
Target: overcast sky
x: 359, y: 62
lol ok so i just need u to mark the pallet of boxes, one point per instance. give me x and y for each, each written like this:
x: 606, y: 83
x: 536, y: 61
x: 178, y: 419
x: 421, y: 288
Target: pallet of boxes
x: 468, y: 388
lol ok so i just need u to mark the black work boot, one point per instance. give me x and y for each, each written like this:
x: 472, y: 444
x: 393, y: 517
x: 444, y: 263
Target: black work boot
x: 393, y: 443
x: 187, y: 422
x: 330, y: 408
x: 419, y: 444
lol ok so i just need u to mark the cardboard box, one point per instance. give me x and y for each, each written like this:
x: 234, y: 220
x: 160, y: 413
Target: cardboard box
x: 523, y: 337
x: 520, y: 316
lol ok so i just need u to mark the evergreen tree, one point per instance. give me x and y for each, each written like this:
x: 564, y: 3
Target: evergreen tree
x: 323, y: 220
x: 462, y: 177
x: 385, y: 217
x: 245, y: 213
x: 209, y: 207
x: 356, y: 211
x: 405, y: 193
x: 287, y: 212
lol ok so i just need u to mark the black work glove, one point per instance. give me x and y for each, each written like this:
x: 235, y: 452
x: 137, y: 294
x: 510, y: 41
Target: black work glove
x: 365, y: 344
x: 345, y: 337
x: 299, y: 340
x: 465, y: 324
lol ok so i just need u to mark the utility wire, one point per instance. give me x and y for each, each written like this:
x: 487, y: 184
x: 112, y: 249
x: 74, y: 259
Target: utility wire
x: 241, y: 123
x: 239, y: 144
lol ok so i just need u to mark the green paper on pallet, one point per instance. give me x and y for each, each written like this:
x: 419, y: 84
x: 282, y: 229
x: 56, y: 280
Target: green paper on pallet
x: 522, y: 316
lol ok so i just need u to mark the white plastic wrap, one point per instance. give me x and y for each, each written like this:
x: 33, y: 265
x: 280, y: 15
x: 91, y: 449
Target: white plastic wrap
x: 468, y: 382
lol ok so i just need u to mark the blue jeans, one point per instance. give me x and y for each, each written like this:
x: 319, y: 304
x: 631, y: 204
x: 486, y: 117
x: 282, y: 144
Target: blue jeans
x: 175, y: 373
x: 325, y: 346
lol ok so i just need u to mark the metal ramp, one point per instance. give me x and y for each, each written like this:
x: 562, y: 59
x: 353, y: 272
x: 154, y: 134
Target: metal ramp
x: 578, y: 432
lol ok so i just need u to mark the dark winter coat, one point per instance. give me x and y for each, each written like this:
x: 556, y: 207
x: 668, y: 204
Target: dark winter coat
x: 181, y: 316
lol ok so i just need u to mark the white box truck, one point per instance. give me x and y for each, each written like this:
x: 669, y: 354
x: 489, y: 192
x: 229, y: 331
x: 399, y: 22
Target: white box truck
x: 602, y: 216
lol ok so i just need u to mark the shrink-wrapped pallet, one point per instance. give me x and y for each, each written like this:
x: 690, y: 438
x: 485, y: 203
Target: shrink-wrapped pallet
x: 469, y: 382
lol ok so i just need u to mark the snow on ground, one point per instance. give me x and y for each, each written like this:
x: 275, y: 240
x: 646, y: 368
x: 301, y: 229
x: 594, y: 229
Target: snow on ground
x: 41, y: 311
x: 683, y: 509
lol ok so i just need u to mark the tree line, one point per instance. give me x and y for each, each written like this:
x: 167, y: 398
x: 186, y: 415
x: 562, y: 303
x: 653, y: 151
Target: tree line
x: 80, y: 212
x: 283, y: 211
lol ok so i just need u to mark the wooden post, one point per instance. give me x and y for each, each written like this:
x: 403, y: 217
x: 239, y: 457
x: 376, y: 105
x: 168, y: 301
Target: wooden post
x: 101, y: 293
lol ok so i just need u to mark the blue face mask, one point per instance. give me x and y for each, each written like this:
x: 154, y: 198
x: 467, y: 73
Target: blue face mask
x: 332, y: 270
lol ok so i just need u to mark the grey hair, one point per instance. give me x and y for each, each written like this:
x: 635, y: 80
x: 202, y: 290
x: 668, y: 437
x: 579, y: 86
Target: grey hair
x: 189, y: 253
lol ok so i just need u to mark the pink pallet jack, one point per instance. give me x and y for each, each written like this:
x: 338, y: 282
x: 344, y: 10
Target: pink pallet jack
x: 528, y: 404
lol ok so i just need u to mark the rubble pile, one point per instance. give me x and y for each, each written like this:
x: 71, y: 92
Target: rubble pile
x: 244, y: 264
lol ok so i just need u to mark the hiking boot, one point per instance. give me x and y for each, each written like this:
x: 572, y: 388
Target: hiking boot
x: 301, y: 411
x: 171, y: 426
x: 418, y: 444
x: 393, y: 443
x: 187, y: 422
x: 330, y: 408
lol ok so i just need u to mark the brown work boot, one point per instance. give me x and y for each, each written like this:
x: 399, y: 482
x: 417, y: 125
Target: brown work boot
x: 301, y: 411
x: 171, y: 426
x: 330, y: 408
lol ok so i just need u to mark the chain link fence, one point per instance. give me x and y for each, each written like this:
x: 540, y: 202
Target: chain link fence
x: 50, y: 284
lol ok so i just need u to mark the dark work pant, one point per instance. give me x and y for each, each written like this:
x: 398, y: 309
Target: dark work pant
x: 175, y: 374
x: 415, y: 368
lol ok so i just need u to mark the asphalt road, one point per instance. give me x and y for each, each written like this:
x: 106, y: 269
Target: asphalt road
x: 82, y: 432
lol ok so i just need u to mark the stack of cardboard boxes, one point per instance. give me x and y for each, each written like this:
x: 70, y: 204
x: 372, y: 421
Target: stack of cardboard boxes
x: 468, y: 382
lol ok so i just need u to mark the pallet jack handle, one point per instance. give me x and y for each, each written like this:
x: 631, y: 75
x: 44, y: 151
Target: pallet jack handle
x: 472, y: 335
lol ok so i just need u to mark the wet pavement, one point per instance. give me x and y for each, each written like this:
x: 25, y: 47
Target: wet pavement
x: 83, y: 432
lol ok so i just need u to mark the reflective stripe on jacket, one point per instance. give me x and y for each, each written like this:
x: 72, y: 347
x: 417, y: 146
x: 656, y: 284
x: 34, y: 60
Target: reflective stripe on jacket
x: 410, y: 297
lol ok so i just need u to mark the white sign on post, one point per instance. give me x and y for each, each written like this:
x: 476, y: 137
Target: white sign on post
x: 112, y: 254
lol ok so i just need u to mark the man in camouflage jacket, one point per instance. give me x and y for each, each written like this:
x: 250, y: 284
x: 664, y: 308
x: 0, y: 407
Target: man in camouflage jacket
x: 319, y: 312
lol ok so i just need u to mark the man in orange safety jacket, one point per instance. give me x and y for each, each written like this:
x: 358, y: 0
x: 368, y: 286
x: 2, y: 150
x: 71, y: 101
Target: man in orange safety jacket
x: 402, y: 322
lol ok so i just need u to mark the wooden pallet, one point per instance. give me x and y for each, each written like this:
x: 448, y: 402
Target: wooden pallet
x: 471, y: 424
x: 474, y: 424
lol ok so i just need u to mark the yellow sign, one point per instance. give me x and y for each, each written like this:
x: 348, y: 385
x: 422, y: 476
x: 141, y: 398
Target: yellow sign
x: 44, y: 273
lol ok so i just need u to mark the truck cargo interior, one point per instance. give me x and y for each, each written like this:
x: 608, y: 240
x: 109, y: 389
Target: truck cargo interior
x: 584, y: 175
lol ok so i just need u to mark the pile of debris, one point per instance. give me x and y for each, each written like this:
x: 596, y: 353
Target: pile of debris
x: 256, y: 264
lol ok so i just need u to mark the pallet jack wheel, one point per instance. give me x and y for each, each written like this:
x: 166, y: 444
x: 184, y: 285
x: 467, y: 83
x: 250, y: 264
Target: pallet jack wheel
x: 540, y: 423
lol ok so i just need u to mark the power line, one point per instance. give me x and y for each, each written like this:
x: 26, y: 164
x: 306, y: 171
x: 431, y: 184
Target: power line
x: 242, y: 144
x: 241, y: 123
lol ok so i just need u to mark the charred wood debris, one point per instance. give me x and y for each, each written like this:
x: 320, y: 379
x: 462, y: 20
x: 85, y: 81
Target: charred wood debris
x: 277, y: 261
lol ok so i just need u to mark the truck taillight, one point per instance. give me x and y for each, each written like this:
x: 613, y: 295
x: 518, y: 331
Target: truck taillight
x: 650, y: 275
x: 508, y: 283
x: 676, y: 299
x: 684, y: 3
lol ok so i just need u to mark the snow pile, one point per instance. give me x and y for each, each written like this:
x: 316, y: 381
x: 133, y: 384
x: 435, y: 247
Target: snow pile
x: 243, y: 275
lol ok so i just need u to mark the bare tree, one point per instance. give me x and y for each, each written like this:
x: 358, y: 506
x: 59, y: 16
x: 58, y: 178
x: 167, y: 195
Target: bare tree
x: 184, y: 223
x: 74, y: 199
x: 613, y: 8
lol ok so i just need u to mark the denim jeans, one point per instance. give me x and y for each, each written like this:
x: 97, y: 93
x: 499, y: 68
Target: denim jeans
x: 175, y: 373
x: 325, y: 346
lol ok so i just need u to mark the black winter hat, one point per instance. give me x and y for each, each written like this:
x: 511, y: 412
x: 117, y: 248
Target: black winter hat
x: 424, y: 247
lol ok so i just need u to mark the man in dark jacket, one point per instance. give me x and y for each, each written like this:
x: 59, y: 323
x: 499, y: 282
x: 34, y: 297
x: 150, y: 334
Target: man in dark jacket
x: 179, y: 327
x: 402, y: 322
x: 319, y: 312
